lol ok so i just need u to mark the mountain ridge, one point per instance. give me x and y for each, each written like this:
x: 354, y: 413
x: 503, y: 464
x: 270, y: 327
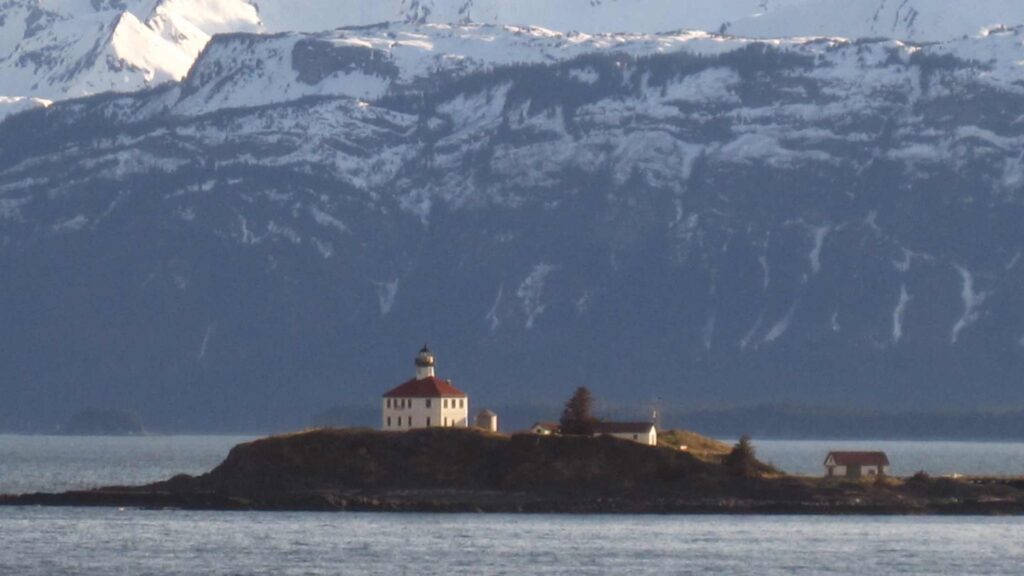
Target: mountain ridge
x: 72, y: 49
x: 808, y: 221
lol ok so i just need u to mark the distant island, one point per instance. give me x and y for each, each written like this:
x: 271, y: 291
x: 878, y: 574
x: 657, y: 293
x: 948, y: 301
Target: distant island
x: 100, y: 422
x: 463, y: 470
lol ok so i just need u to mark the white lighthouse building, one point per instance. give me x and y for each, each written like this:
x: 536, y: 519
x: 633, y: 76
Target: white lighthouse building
x: 425, y: 401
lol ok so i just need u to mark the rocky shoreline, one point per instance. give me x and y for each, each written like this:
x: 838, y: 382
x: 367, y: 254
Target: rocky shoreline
x: 507, y: 504
x: 460, y: 471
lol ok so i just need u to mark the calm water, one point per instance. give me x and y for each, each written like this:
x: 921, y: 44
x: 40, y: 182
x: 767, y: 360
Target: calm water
x: 58, y: 463
x: 57, y: 542
x: 936, y: 458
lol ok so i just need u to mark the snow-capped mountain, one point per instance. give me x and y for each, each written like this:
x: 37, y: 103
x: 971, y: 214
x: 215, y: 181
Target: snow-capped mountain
x: 700, y: 218
x: 374, y: 62
x: 71, y: 48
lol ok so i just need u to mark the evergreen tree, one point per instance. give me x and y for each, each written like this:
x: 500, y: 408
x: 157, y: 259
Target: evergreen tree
x: 578, y: 418
x: 743, y: 460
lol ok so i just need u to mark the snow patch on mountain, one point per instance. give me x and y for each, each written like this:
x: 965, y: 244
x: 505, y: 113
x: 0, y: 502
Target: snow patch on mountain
x: 492, y: 318
x: 324, y: 219
x: 708, y: 332
x: 10, y: 208
x: 386, y: 294
x: 899, y: 313
x: 9, y: 105
x: 972, y: 302
x: 205, y: 344
x: 531, y: 290
x: 818, y: 234
x: 779, y: 328
x: 74, y: 224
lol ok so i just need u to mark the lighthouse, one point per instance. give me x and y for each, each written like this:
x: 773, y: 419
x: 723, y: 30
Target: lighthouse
x: 426, y: 401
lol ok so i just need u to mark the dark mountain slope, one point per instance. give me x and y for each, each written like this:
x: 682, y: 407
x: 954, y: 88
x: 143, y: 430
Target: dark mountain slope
x: 823, y: 223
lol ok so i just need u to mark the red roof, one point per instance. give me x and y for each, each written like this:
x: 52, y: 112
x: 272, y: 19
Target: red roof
x: 857, y: 458
x: 430, y: 387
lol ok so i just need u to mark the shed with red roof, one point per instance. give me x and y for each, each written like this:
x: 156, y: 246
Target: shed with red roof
x: 856, y: 464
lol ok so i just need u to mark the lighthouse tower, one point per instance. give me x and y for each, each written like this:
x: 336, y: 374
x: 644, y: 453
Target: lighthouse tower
x: 426, y: 401
x: 424, y: 364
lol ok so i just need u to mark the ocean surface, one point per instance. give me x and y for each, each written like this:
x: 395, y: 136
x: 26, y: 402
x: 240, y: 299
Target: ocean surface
x: 65, y: 541
x: 57, y: 542
x: 907, y: 457
x: 60, y: 463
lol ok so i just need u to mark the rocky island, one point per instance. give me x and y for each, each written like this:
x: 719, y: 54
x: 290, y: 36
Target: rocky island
x: 452, y: 470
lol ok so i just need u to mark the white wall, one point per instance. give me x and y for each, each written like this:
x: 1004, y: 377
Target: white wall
x: 409, y: 413
x: 457, y: 412
x: 840, y: 471
x: 490, y: 424
x: 649, y: 439
x: 837, y: 471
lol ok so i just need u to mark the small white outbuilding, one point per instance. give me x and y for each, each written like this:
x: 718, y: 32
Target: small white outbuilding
x: 487, y: 420
x: 639, y: 432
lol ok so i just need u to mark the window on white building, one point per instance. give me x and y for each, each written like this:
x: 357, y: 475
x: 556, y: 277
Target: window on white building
x: 410, y: 421
x: 428, y: 406
x: 428, y: 421
x: 389, y: 421
x: 445, y: 401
